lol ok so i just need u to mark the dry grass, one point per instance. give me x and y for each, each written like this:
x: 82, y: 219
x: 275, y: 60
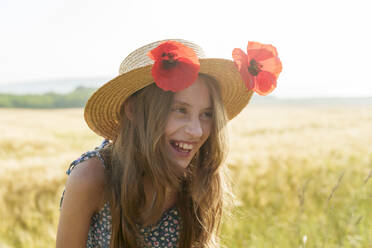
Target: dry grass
x: 301, y: 175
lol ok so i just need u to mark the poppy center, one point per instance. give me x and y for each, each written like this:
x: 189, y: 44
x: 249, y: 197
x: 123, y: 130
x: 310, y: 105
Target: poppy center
x: 168, y: 61
x: 254, y: 67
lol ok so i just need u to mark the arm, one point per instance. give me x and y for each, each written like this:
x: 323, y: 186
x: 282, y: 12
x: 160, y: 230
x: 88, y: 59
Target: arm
x: 83, y: 197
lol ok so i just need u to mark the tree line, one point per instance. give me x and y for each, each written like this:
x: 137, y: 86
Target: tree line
x: 75, y: 99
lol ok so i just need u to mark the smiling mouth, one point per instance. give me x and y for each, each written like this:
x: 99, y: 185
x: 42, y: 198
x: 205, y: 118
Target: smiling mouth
x: 181, y: 147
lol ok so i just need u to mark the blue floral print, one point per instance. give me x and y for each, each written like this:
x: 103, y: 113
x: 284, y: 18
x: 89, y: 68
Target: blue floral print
x: 165, y: 233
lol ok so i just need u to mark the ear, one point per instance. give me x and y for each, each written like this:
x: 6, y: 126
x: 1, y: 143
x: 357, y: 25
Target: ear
x: 129, y: 109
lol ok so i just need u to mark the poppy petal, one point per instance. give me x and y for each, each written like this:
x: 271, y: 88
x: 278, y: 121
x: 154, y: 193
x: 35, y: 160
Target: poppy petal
x: 256, y: 46
x: 164, y: 47
x: 178, y: 49
x: 251, y: 82
x: 272, y: 65
x: 241, y: 62
x: 177, y: 78
x: 265, y: 83
x: 176, y: 66
x: 188, y: 53
x: 240, y: 58
x: 259, y: 54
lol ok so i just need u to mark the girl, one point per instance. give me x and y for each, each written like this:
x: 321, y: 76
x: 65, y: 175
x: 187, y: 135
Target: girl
x: 157, y: 179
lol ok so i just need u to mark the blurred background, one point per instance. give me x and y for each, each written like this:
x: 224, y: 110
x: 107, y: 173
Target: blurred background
x: 300, y: 158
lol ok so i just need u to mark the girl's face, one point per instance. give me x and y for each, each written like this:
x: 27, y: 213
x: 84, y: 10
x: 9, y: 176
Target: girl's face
x: 189, y: 123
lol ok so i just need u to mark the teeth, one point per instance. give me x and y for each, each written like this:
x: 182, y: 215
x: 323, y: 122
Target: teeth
x: 184, y: 146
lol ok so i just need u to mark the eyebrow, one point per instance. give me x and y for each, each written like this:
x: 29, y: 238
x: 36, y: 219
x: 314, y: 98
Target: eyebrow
x: 186, y: 104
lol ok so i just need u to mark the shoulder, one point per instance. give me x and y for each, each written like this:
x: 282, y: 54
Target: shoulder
x: 86, y: 182
x: 89, y: 171
x: 82, y: 198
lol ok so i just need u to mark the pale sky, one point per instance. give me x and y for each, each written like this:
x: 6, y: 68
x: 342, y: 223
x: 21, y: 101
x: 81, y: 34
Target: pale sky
x: 325, y: 46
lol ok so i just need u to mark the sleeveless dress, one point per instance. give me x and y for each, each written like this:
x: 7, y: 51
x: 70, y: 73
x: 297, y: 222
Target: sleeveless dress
x: 165, y: 233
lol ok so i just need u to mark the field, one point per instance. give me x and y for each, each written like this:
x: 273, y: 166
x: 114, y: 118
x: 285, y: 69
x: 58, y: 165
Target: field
x: 302, y: 175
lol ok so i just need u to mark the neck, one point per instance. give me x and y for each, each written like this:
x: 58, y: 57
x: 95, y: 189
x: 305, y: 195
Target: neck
x: 169, y: 201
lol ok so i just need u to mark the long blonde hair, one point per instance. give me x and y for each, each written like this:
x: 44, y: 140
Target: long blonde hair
x: 138, y: 150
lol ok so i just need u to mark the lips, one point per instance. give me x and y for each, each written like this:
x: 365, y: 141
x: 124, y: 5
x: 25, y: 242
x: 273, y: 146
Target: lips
x: 182, y: 148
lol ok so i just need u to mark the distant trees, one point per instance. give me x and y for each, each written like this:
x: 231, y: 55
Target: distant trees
x: 75, y: 99
x: 80, y: 95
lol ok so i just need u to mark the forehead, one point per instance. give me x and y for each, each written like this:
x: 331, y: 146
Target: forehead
x: 197, y: 95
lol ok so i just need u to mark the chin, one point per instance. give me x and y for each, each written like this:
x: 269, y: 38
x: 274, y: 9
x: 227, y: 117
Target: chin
x: 183, y: 164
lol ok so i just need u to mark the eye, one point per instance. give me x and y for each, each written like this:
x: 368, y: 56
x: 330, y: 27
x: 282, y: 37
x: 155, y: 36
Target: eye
x: 208, y: 114
x: 180, y: 110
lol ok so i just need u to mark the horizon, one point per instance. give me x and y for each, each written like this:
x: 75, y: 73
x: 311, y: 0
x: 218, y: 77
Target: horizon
x: 323, y: 45
x: 52, y: 86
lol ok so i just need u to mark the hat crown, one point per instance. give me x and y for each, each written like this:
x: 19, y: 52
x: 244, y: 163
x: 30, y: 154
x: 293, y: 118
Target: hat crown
x: 138, y: 58
x: 102, y: 111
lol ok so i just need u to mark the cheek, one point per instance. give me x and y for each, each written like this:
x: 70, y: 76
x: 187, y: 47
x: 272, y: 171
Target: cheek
x: 207, y: 128
x: 172, y: 126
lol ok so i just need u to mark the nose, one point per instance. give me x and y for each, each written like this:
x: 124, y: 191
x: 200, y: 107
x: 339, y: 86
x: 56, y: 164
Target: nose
x: 194, y: 128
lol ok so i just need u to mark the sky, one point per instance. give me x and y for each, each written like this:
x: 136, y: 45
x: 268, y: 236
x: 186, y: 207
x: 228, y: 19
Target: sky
x: 325, y: 46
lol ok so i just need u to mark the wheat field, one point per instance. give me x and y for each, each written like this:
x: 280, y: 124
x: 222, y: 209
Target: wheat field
x: 301, y: 175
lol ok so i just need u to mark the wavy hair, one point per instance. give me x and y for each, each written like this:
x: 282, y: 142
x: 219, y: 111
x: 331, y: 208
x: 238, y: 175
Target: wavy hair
x: 139, y: 150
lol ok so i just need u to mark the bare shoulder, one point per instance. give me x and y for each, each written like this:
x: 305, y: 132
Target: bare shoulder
x: 82, y: 198
x: 87, y: 178
x: 90, y: 172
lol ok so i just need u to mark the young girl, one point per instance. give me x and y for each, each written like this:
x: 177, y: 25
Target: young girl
x: 157, y: 180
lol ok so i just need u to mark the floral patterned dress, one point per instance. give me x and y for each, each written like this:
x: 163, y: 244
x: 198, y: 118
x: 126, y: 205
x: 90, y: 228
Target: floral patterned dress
x: 165, y: 233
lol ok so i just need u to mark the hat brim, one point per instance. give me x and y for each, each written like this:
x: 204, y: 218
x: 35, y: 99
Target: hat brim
x: 102, y: 110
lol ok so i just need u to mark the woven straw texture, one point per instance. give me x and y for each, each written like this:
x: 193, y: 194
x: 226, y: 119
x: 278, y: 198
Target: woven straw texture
x: 102, y: 111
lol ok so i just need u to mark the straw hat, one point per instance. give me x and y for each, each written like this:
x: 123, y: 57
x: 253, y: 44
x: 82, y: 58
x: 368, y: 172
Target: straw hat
x: 102, y: 111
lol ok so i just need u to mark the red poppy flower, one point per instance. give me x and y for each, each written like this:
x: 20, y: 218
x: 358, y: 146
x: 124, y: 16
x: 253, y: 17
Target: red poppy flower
x: 259, y: 68
x: 176, y: 66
